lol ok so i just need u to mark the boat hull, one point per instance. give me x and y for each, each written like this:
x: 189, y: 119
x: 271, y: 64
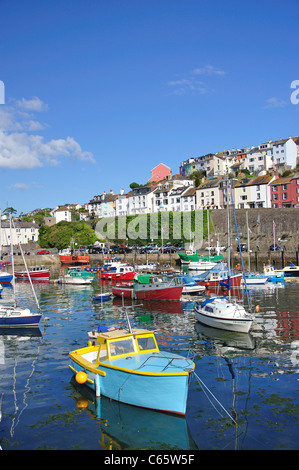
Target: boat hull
x: 75, y: 280
x: 235, y: 281
x: 252, y: 281
x: 110, y: 276
x: 39, y: 276
x: 156, y: 391
x: 101, y: 297
x: 19, y: 318
x: 223, y: 314
x: 201, y: 266
x: 291, y: 271
x: 230, y: 324
x: 6, y: 278
x: 67, y: 259
x: 146, y: 292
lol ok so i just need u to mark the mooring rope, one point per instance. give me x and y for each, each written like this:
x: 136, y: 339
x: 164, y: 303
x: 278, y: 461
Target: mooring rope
x: 205, y: 388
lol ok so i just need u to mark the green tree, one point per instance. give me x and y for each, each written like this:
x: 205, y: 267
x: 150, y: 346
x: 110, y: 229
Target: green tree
x: 9, y: 210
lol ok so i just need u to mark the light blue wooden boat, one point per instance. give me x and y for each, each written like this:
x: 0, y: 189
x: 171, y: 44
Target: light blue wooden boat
x: 126, y: 365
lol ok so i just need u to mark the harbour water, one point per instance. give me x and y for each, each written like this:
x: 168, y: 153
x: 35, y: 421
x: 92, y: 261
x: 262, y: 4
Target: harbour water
x: 244, y: 393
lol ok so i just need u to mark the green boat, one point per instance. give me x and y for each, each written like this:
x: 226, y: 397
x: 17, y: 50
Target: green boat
x: 190, y: 256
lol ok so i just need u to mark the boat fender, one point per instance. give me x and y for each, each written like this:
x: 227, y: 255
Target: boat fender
x: 81, y: 377
x: 98, y: 388
x: 257, y: 308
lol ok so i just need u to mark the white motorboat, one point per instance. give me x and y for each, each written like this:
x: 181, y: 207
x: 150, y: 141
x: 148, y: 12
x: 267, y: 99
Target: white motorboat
x: 221, y: 313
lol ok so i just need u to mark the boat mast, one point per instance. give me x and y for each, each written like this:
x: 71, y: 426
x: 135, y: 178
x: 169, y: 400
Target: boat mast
x: 228, y: 235
x: 248, y: 241
x: 242, y: 263
x: 12, y: 264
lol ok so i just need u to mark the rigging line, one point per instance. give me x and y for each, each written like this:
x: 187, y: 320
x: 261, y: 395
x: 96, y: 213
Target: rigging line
x: 217, y: 401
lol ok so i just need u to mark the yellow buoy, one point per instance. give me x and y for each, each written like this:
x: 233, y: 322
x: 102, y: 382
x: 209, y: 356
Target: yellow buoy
x: 81, y: 377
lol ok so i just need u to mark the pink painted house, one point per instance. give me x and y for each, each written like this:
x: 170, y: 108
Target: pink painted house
x: 160, y: 172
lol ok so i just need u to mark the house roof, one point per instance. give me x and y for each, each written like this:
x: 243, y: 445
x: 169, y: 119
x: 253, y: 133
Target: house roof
x: 212, y: 183
x: 257, y: 180
x: 160, y: 165
x: 189, y: 192
x: 282, y: 180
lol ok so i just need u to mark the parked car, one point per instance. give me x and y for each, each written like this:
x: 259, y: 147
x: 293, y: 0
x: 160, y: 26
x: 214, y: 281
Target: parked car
x: 124, y: 249
x: 243, y: 247
x: 43, y: 252
x: 114, y: 249
x: 168, y: 248
x: 273, y: 247
x: 153, y: 250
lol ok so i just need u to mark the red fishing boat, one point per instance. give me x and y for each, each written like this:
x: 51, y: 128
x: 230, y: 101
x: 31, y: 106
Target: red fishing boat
x: 150, y: 287
x: 217, y: 275
x: 38, y: 273
x: 118, y: 272
x: 68, y: 257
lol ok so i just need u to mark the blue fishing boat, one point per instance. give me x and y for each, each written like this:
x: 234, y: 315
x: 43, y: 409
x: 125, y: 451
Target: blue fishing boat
x: 102, y: 297
x: 253, y: 279
x: 189, y: 285
x: 5, y: 277
x: 13, y: 316
x: 272, y: 274
x: 126, y: 365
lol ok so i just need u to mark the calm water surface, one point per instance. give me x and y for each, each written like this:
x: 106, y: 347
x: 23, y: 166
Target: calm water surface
x: 244, y: 393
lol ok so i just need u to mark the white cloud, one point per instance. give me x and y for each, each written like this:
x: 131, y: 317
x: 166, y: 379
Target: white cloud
x: 20, y: 148
x: 275, y: 103
x: 35, y: 104
x: 191, y: 82
x: 208, y: 70
x: 21, y: 186
x: 25, y: 151
x: 184, y: 85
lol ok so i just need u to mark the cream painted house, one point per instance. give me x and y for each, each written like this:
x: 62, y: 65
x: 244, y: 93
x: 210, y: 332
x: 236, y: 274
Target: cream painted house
x: 208, y: 194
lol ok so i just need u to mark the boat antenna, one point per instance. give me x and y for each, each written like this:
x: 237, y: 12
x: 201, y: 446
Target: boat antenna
x: 242, y: 263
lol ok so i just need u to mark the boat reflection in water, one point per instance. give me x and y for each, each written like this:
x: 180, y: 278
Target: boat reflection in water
x: 124, y: 426
x: 225, y: 338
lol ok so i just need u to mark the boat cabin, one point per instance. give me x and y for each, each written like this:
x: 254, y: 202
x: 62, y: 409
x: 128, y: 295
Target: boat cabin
x: 117, y: 343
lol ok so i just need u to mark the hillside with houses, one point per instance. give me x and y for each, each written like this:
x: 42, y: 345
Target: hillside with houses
x: 264, y: 176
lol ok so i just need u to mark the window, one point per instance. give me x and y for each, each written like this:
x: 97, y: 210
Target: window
x: 275, y: 197
x: 146, y: 343
x: 284, y: 195
x: 122, y: 346
x: 274, y: 188
x: 284, y: 186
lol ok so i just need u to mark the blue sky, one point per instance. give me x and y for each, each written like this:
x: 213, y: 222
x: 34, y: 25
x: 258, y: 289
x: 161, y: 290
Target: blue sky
x: 99, y: 92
